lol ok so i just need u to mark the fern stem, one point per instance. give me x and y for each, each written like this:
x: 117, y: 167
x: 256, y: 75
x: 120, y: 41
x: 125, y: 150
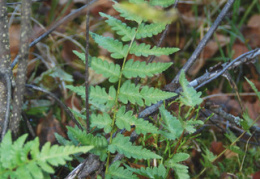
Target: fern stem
x: 117, y: 94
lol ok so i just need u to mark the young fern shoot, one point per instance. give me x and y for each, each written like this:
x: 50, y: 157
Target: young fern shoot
x: 112, y: 103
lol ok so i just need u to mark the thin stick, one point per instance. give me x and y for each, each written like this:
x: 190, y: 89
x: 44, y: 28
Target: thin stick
x: 87, y: 72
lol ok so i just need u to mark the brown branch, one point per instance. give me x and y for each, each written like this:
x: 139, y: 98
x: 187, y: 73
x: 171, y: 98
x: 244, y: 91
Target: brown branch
x: 86, y: 72
x: 5, y: 60
x: 22, y: 66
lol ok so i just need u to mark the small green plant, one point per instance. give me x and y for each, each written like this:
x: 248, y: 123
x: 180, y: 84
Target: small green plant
x: 109, y: 107
x: 26, y: 160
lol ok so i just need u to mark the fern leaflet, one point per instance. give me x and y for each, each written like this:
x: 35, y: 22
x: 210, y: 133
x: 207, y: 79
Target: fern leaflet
x: 126, y: 119
x: 109, y: 70
x: 101, y: 121
x: 148, y: 30
x: 180, y: 170
x: 153, y: 95
x: 99, y: 95
x: 189, y: 96
x: 82, y: 138
x: 146, y: 50
x: 141, y: 69
x: 122, y: 145
x: 121, y: 28
x: 172, y: 127
x: 115, y: 47
x: 117, y: 172
x: 152, y: 173
x: 130, y: 92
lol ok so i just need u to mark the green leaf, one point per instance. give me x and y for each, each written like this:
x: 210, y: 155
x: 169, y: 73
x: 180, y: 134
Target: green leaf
x: 117, y: 172
x: 122, y: 145
x: 115, y: 47
x: 153, y: 95
x: 141, y: 69
x: 127, y: 119
x: 121, y: 28
x: 179, y: 157
x: 189, y: 126
x: 172, y: 128
x: 130, y: 92
x: 81, y: 56
x: 109, y: 70
x: 163, y: 3
x: 17, y: 164
x: 101, y: 121
x: 253, y: 87
x: 100, y: 96
x: 152, y: 173
x: 149, y: 30
x: 181, y: 171
x: 189, y: 96
x: 98, y: 142
x: 146, y: 50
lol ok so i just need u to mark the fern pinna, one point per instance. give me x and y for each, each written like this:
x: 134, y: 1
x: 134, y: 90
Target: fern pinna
x: 109, y: 112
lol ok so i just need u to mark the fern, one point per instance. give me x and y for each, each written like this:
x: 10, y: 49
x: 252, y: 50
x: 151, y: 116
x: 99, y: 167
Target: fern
x: 15, y: 162
x: 181, y: 171
x: 130, y: 92
x: 141, y: 69
x: 152, y: 173
x: 189, y: 96
x: 122, y: 145
x: 121, y: 28
x: 101, y: 121
x: 117, y: 49
x: 149, y: 30
x: 146, y: 50
x: 117, y: 172
x: 109, y: 70
x: 126, y: 120
x: 172, y: 127
x: 112, y: 103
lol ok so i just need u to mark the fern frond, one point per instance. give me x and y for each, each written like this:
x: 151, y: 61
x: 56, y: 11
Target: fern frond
x: 15, y: 162
x: 122, y: 145
x: 115, y: 47
x: 163, y: 3
x: 172, y: 128
x: 152, y: 173
x: 146, y: 50
x: 149, y: 30
x: 101, y: 121
x: 98, y: 142
x: 121, y: 28
x: 189, y: 96
x: 109, y: 70
x: 100, y: 96
x: 117, y: 172
x: 141, y: 69
x: 130, y: 92
x: 127, y: 119
x: 180, y: 170
x: 153, y: 95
